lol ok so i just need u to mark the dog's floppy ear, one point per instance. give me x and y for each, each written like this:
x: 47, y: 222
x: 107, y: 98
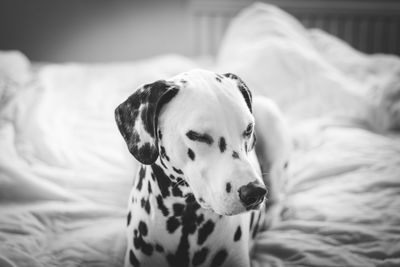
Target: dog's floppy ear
x: 242, y: 87
x: 137, y: 118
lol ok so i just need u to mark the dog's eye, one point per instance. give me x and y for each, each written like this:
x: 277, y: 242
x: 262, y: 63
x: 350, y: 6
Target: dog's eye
x: 249, y: 130
x: 204, y: 138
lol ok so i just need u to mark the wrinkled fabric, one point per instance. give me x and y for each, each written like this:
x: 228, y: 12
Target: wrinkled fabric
x: 308, y: 72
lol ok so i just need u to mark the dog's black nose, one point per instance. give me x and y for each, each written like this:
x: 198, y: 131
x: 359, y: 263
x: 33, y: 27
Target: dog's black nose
x: 252, y: 194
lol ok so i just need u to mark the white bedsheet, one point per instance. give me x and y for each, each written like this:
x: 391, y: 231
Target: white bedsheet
x: 65, y: 172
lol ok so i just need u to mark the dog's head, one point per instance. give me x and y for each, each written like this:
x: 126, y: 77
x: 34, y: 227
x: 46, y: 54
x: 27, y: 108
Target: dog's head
x: 201, y: 123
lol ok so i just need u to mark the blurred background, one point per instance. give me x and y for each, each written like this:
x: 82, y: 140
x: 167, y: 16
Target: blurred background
x: 94, y: 30
x: 123, y: 30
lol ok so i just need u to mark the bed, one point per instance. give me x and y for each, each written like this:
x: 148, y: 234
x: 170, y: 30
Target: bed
x: 65, y: 173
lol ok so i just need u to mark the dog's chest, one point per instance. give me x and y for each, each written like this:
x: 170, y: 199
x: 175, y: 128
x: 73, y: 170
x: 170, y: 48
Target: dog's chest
x: 167, y: 227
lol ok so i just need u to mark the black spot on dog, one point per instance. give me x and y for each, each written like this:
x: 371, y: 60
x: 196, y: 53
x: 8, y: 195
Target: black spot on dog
x: 159, y: 134
x: 136, y: 241
x: 128, y: 219
x: 172, y: 224
x: 135, y: 136
x: 162, y: 180
x: 191, y: 154
x: 201, y: 200
x: 228, y: 187
x: 143, y: 116
x: 286, y: 165
x: 238, y: 234
x: 172, y: 177
x: 161, y: 206
x: 141, y: 244
x: 255, y: 230
x: 162, y: 151
x: 142, y: 174
x: 145, y: 203
x: 149, y: 187
x: 204, y: 138
x: 190, y: 198
x: 178, y: 171
x: 200, y: 256
x: 159, y: 248
x: 253, y: 144
x: 218, y: 79
x: 176, y: 191
x: 188, y: 222
x: 251, y: 220
x: 235, y: 155
x: 162, y: 163
x: 147, y: 206
x: 181, y: 182
x: 205, y: 231
x: 222, y: 144
x: 146, y: 152
x: 249, y: 130
x: 219, y: 258
x: 147, y: 249
x: 200, y: 219
x: 133, y: 260
x: 163, y: 154
x: 178, y: 209
x: 181, y: 257
x: 143, y: 228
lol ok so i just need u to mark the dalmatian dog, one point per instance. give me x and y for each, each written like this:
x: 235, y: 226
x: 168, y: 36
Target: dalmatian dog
x: 198, y: 196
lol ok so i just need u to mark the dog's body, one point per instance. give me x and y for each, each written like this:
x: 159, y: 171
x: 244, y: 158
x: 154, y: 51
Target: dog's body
x: 194, y: 135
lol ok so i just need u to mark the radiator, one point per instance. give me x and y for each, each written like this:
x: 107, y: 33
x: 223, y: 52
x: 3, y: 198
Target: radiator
x: 371, y: 26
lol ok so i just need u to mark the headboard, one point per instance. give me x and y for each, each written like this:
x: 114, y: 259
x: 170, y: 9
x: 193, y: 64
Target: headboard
x: 371, y: 26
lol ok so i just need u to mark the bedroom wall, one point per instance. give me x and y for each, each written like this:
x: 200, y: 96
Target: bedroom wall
x: 370, y: 26
x: 123, y: 30
x: 94, y: 30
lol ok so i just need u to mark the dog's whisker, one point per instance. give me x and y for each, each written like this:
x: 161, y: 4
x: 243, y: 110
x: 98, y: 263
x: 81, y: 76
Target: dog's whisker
x: 178, y: 183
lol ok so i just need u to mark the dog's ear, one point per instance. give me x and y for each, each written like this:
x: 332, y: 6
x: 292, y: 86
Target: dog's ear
x: 242, y: 87
x: 137, y: 118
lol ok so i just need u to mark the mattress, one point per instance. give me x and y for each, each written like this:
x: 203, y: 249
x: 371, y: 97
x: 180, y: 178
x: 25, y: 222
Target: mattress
x: 65, y: 172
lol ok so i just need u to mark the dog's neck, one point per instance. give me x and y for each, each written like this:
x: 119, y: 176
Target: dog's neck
x: 172, y: 207
x: 167, y: 186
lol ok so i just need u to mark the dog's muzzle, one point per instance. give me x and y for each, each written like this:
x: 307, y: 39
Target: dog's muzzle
x: 252, y: 194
